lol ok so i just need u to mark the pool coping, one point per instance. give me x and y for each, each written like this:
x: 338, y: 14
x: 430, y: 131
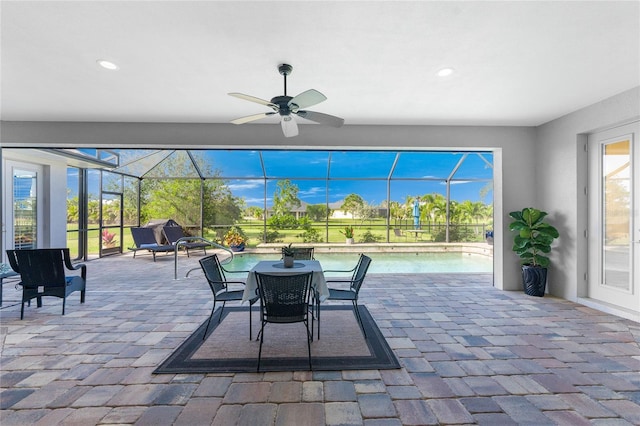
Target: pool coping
x: 482, y: 249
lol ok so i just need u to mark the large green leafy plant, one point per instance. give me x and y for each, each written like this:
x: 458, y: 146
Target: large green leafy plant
x: 534, y: 236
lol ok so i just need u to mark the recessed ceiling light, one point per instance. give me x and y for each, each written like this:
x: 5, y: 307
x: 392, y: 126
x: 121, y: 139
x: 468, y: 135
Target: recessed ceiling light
x: 445, y: 72
x: 107, y: 64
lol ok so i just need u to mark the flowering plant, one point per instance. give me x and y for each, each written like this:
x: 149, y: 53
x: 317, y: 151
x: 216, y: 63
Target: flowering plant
x: 234, y: 236
x: 348, y: 232
x: 108, y: 239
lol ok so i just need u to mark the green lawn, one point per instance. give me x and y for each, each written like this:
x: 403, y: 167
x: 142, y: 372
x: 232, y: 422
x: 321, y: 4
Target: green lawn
x: 376, y: 230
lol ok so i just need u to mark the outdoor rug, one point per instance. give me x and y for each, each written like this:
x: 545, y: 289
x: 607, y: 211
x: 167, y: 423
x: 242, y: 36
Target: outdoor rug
x: 228, y: 349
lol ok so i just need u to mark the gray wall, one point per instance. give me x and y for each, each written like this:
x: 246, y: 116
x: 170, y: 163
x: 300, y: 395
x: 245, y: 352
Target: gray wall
x: 513, y: 147
x: 545, y: 167
x: 561, y: 177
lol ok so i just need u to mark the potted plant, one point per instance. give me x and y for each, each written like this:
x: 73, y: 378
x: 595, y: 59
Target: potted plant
x: 488, y: 235
x: 109, y: 243
x: 288, y: 255
x: 235, y: 238
x: 348, y: 233
x: 108, y: 239
x: 532, y: 243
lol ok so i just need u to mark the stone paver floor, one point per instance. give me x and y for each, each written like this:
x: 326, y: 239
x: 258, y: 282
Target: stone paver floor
x: 470, y: 354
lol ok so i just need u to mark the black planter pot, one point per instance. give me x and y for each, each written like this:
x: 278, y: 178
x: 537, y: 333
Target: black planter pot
x: 237, y: 248
x: 534, y: 280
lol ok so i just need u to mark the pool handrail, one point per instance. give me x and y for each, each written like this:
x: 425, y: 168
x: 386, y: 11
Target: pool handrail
x: 184, y: 240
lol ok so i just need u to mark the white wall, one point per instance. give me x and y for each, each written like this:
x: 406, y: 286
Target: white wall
x: 53, y: 199
x: 561, y: 177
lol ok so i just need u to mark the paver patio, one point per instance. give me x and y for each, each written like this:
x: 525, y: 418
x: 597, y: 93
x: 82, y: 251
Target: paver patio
x: 471, y: 354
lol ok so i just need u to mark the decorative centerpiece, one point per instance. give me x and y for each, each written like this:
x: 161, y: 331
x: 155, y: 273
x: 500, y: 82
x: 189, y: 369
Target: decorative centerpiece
x: 235, y: 238
x: 348, y: 233
x: 288, y: 256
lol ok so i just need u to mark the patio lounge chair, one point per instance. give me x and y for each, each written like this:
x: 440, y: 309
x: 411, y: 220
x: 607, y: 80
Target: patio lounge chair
x: 174, y: 233
x: 398, y: 233
x: 42, y: 273
x: 144, y: 239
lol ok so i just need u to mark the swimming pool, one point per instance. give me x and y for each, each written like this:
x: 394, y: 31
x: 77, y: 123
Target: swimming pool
x: 385, y: 263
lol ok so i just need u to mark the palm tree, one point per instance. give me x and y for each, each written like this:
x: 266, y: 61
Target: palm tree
x: 396, y: 210
x: 440, y: 208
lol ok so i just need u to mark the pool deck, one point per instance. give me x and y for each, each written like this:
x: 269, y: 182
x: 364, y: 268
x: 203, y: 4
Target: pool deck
x: 483, y: 249
x: 470, y: 354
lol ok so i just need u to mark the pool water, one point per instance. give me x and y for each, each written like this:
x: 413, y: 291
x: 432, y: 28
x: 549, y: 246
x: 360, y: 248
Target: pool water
x: 385, y: 263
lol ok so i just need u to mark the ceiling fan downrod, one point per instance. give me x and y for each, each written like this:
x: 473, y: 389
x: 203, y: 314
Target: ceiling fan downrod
x: 285, y: 70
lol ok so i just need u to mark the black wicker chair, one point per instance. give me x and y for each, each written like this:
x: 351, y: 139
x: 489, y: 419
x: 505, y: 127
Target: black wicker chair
x: 145, y: 239
x: 219, y: 284
x: 301, y: 253
x: 350, y: 294
x: 42, y: 273
x: 284, y: 299
x: 306, y: 253
x: 174, y: 233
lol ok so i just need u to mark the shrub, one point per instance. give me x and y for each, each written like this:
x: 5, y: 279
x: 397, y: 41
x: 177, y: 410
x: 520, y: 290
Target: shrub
x: 368, y: 237
x: 311, y: 235
x: 457, y: 234
x: 287, y: 221
x: 271, y: 237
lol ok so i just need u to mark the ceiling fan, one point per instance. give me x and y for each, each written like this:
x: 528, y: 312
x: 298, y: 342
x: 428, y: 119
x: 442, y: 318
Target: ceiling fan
x: 286, y: 106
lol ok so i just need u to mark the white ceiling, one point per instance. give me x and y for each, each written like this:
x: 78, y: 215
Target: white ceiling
x: 516, y: 63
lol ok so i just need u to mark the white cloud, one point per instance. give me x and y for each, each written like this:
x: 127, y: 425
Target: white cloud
x: 256, y: 200
x: 250, y: 184
x: 312, y: 191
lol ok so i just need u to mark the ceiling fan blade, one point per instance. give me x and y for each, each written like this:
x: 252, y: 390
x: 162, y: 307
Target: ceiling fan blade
x: 254, y: 99
x: 306, y: 99
x: 289, y: 127
x: 318, y: 117
x: 251, y: 118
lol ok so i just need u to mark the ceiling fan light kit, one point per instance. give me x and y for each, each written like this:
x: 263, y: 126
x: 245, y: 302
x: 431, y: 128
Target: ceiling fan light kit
x: 285, y: 106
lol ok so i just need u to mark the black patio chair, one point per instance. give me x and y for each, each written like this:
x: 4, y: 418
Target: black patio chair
x: 174, y: 233
x: 42, y: 273
x: 350, y: 294
x: 306, y: 253
x: 219, y: 284
x: 145, y: 239
x: 301, y: 253
x: 284, y: 299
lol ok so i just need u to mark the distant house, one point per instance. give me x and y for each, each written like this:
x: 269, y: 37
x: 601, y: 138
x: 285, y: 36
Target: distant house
x: 335, y: 208
x: 297, y: 212
x: 337, y: 212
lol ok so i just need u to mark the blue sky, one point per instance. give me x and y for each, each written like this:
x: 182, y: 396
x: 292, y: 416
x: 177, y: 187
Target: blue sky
x: 362, y: 172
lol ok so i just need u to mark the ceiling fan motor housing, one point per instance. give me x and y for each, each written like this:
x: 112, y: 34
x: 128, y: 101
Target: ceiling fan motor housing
x: 283, y: 104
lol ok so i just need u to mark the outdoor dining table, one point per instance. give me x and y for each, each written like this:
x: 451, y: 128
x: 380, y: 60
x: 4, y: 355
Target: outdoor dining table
x: 416, y: 232
x: 275, y: 267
